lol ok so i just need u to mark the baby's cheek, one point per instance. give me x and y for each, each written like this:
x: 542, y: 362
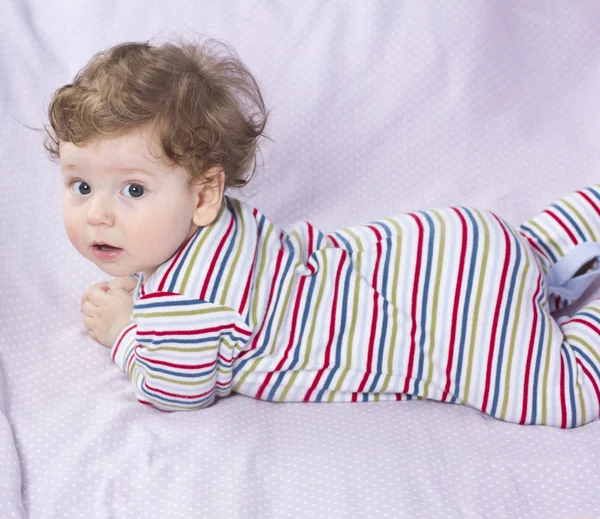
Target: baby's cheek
x: 73, y: 233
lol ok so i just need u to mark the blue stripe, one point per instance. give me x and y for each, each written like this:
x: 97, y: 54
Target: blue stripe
x: 424, y: 305
x: 461, y: 346
x: 197, y: 374
x: 225, y: 260
x: 274, y: 311
x: 592, y: 317
x: 197, y: 340
x: 508, y: 300
x: 297, y: 348
x: 588, y: 360
x: 571, y: 220
x: 182, y: 259
x: 593, y: 192
x: 571, y: 387
x: 154, y: 396
x: 541, y: 346
x: 539, y: 241
x: 142, y: 305
x: 382, y: 288
x: 341, y: 342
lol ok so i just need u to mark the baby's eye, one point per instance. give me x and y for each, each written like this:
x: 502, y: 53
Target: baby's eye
x: 133, y: 190
x: 81, y: 188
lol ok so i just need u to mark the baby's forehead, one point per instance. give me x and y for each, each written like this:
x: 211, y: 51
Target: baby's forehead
x: 129, y: 151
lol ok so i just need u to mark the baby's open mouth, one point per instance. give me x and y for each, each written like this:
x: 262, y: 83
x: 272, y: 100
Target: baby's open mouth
x: 104, y: 246
x: 105, y: 252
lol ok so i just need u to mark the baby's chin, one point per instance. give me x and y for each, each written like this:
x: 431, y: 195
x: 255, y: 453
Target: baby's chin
x: 116, y: 271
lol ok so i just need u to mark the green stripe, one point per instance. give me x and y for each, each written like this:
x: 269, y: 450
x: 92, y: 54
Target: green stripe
x: 309, y: 339
x: 223, y: 342
x: 546, y: 373
x: 232, y: 265
x: 582, y: 219
x: 477, y: 306
x: 548, y: 240
x: 435, y: 302
x: 160, y: 403
x: 280, y: 312
x: 149, y: 314
x: 182, y: 350
x: 515, y: 325
x: 260, y: 274
x: 182, y: 382
x: 192, y: 261
x: 394, y: 301
x: 350, y: 342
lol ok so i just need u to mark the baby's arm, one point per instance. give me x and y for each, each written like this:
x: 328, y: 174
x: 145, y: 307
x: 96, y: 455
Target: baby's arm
x: 179, y: 351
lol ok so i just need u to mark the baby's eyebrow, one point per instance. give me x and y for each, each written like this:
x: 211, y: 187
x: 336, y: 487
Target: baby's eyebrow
x: 135, y: 170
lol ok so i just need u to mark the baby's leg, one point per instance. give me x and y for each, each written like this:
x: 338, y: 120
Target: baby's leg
x: 565, y: 238
x: 576, y: 373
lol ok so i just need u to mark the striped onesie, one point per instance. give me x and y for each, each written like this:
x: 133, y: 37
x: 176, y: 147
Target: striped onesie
x: 451, y: 304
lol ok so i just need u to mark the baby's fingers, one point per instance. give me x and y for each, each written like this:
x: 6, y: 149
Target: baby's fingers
x: 89, y: 309
x: 103, y: 285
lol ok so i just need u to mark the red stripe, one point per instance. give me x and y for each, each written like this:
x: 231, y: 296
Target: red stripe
x: 118, y: 345
x: 178, y: 366
x: 332, y: 322
x: 132, y: 358
x: 176, y: 395
x: 592, y: 379
x: 194, y: 332
x: 292, y: 334
x: 589, y: 200
x: 587, y: 323
x: 295, y: 319
x: 215, y: 259
x: 251, y: 273
x: 174, y: 262
x: 534, y: 331
x: 413, y: 310
x: 457, y: 305
x: 154, y: 295
x: 374, y: 319
x: 499, y: 301
x: 533, y: 243
x: 334, y: 241
x: 563, y: 403
x: 562, y: 224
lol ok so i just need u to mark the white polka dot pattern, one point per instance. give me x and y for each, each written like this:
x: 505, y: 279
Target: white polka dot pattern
x: 377, y: 108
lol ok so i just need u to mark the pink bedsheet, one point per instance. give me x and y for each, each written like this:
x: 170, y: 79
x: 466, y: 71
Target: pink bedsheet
x: 377, y: 108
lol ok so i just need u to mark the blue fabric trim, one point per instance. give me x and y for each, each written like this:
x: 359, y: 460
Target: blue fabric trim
x: 560, y: 276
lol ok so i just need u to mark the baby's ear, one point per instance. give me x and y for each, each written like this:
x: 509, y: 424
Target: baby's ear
x: 210, y: 195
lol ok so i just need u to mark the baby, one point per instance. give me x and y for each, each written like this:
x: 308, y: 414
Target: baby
x: 451, y: 304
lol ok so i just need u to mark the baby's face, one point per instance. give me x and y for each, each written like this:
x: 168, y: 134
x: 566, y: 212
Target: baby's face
x: 124, y: 209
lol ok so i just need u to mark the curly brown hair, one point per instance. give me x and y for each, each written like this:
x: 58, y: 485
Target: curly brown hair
x: 204, y: 105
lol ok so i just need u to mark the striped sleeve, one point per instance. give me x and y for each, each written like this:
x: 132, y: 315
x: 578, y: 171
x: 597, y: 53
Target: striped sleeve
x: 178, y: 351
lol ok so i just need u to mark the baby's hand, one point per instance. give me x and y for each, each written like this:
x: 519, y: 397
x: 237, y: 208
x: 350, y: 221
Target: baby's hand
x: 106, y: 312
x: 128, y: 283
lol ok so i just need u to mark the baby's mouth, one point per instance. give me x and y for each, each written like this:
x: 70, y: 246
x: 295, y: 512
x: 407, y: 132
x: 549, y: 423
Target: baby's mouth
x: 104, y: 246
x: 105, y: 252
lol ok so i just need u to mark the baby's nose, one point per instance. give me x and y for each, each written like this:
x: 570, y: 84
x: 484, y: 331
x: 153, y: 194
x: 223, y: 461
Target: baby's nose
x: 100, y: 211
